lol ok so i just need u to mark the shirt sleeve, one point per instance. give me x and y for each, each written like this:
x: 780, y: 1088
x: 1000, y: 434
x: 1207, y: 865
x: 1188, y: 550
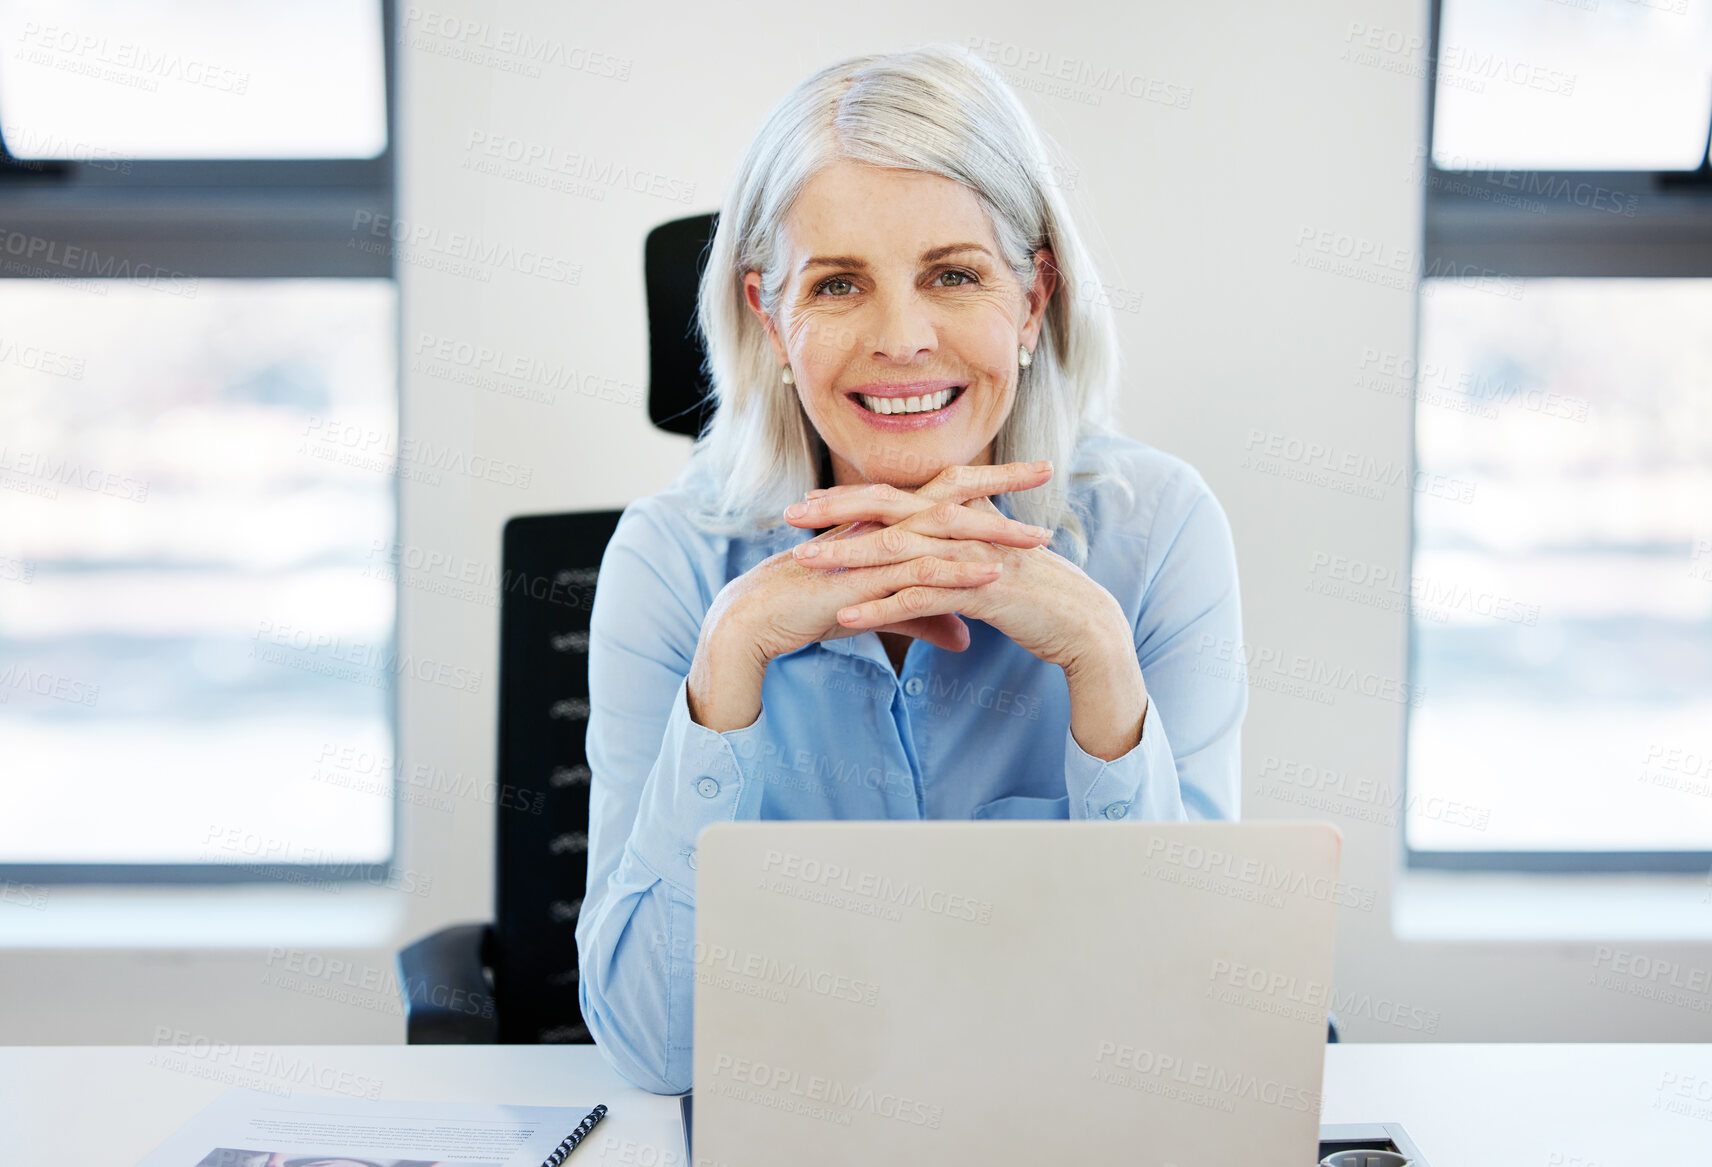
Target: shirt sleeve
x: 1187, y: 628
x: 657, y: 779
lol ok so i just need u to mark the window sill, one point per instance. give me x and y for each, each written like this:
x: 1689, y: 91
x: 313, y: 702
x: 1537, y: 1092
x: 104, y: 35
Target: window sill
x: 234, y: 916
x: 1492, y: 906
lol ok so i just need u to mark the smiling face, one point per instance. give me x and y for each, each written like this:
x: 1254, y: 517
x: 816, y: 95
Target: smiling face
x: 900, y: 321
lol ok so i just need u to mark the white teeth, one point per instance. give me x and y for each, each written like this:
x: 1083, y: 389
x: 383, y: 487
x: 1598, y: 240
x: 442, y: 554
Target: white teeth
x: 922, y: 404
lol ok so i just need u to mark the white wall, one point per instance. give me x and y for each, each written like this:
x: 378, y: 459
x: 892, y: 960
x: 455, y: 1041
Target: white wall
x: 1286, y: 129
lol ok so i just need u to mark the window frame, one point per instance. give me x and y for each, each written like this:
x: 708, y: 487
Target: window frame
x: 225, y: 218
x: 1669, y: 235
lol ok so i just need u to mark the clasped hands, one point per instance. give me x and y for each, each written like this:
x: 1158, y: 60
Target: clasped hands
x: 914, y: 562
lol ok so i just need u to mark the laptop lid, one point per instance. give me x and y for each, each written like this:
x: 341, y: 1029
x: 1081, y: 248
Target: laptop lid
x: 1012, y: 992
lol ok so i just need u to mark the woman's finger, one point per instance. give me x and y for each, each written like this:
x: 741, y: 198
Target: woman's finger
x: 910, y: 603
x: 852, y: 514
x: 899, y: 545
x: 887, y: 504
x: 874, y: 500
x: 946, y: 631
x: 959, y: 484
x: 924, y: 571
x: 977, y: 519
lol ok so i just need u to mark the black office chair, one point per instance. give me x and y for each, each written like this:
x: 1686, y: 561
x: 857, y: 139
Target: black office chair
x: 514, y: 981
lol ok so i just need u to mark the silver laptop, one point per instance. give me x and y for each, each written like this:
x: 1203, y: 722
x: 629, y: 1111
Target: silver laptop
x: 1012, y: 993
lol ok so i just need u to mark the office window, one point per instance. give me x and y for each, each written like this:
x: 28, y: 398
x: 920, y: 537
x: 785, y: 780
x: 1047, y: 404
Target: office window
x: 1561, y: 600
x: 1573, y: 84
x: 197, y: 659
x: 1562, y: 615
x: 192, y: 79
x: 191, y: 623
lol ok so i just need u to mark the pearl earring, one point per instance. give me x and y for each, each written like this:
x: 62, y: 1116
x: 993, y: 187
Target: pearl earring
x: 1024, y: 357
x: 787, y: 377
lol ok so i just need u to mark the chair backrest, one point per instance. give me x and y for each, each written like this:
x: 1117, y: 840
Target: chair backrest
x: 549, y: 565
x: 542, y: 793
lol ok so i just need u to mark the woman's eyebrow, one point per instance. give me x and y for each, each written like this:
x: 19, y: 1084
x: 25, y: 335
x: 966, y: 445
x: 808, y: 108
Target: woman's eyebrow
x: 856, y: 263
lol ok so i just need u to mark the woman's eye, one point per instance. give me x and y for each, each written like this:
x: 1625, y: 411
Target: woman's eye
x: 835, y: 281
x: 963, y: 277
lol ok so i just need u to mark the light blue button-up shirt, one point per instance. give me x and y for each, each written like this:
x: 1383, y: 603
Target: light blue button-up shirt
x: 981, y: 734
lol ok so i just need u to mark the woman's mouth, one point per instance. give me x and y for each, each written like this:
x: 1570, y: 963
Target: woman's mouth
x: 924, y: 403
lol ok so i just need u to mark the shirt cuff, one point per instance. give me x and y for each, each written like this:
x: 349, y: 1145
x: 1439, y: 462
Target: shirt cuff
x: 699, y: 780
x: 1141, y: 784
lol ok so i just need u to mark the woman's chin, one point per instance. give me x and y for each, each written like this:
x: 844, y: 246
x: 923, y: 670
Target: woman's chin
x: 904, y: 468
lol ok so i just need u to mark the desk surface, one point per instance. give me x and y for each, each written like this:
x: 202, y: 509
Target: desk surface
x: 1464, y: 1105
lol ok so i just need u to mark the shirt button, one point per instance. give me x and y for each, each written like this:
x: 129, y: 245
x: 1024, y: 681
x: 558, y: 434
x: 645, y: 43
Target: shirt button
x: 913, y: 686
x: 1117, y: 810
x: 706, y: 787
x: 690, y: 859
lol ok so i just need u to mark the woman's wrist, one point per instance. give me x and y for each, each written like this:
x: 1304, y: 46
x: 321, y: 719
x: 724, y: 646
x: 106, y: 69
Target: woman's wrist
x: 1108, y: 698
x: 724, y: 689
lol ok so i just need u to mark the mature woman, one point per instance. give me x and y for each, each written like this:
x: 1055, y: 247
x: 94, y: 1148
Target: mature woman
x: 910, y: 572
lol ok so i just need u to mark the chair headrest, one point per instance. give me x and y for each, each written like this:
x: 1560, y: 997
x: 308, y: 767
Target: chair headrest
x: 678, y: 384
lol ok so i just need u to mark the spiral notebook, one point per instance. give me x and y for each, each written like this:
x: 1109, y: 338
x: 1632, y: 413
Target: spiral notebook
x: 259, y: 1128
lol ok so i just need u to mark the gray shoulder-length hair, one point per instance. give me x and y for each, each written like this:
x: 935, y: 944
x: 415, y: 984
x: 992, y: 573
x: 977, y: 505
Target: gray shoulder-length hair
x: 940, y: 110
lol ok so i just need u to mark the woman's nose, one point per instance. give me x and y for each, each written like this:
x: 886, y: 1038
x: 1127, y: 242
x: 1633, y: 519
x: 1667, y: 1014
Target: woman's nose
x: 903, y: 329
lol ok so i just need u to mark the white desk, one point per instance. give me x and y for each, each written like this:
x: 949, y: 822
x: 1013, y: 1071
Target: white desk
x: 1590, y: 1105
